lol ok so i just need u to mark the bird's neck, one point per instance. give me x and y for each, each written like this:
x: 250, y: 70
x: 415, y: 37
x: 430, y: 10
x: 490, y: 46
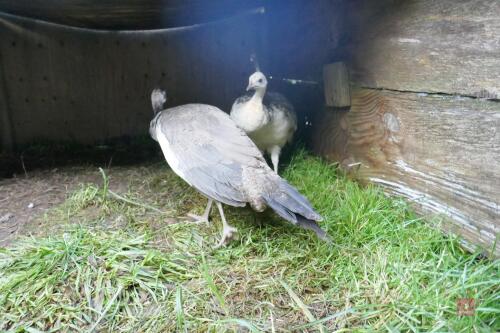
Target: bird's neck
x: 157, y: 106
x: 258, y: 110
x: 251, y: 116
x: 258, y: 96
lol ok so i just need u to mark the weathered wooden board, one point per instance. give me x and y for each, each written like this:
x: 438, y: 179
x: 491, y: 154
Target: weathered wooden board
x: 441, y: 152
x: 444, y: 46
x: 336, y: 84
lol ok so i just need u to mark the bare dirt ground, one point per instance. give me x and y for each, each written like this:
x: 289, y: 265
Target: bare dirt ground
x: 25, y: 199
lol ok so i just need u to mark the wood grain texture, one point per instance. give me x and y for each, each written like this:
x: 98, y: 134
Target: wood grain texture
x: 441, y: 152
x: 445, y: 46
x: 336, y: 85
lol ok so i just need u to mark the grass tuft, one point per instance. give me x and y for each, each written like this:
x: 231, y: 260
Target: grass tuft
x: 116, y: 265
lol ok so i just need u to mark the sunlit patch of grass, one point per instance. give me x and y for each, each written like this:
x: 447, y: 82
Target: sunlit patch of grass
x: 83, y: 278
x: 386, y: 270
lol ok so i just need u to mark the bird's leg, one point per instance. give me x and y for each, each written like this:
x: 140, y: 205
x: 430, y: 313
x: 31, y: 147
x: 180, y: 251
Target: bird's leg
x: 203, y: 218
x: 275, y: 157
x: 227, y: 230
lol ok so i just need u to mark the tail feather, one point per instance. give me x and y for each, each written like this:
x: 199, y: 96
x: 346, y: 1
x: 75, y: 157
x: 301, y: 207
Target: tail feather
x: 312, y: 225
x: 290, y: 197
x: 291, y: 191
x: 288, y: 203
x: 281, y: 210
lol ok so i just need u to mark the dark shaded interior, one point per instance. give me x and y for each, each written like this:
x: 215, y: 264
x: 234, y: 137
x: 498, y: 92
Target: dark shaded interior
x: 76, y: 75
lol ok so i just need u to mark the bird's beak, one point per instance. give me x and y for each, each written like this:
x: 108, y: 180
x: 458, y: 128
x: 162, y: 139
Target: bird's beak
x: 249, y: 87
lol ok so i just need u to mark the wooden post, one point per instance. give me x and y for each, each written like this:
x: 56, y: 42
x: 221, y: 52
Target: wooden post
x: 336, y: 82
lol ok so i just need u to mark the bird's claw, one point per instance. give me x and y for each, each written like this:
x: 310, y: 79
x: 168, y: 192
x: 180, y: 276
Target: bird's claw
x: 228, y: 234
x: 199, y: 219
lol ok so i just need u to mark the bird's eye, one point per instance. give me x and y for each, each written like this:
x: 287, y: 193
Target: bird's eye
x: 260, y: 80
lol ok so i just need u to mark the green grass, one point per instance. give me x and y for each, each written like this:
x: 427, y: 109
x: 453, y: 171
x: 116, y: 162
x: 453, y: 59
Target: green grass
x: 109, y: 265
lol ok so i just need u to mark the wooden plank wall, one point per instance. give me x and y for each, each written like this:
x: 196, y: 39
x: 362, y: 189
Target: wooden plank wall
x: 446, y: 46
x: 70, y: 84
x: 425, y: 115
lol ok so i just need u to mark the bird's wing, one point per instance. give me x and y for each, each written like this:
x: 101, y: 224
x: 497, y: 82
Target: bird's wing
x: 206, y: 148
x: 276, y: 102
x: 274, y: 99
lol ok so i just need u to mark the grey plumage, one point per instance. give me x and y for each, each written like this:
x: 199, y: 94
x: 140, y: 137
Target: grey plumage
x: 205, y: 148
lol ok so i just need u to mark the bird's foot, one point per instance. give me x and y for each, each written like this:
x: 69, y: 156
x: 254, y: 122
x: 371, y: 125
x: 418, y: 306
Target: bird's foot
x: 199, y: 218
x: 228, y: 234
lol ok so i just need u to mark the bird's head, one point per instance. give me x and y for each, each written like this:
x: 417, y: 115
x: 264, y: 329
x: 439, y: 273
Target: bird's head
x: 158, y: 99
x: 257, y: 81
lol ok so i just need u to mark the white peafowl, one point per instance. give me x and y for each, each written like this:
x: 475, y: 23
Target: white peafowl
x: 268, y: 118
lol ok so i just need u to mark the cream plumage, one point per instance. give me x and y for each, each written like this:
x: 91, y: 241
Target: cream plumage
x: 269, y: 119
